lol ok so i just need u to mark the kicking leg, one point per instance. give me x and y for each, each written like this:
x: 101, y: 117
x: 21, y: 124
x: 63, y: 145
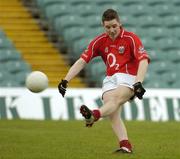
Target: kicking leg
x: 112, y: 101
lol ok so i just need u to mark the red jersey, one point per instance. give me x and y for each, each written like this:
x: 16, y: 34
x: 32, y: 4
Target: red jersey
x: 121, y: 55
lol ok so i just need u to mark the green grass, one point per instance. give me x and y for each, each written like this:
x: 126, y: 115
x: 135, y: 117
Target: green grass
x: 71, y: 140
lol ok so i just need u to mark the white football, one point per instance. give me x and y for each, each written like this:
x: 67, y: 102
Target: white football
x: 37, y: 81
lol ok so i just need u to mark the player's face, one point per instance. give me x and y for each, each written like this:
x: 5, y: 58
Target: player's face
x: 112, y: 28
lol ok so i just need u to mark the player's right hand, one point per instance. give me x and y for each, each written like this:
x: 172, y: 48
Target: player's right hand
x: 62, y: 87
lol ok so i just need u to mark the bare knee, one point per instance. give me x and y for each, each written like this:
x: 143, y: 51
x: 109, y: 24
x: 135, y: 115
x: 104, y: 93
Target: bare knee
x: 116, y: 100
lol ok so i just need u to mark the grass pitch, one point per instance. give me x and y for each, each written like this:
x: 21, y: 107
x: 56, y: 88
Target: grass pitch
x: 71, y: 140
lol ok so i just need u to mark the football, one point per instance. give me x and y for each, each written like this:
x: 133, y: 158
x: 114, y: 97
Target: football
x: 37, y: 81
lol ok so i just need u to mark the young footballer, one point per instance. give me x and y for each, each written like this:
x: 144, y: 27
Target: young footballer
x: 126, y: 63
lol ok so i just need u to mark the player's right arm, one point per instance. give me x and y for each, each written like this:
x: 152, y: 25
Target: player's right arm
x: 73, y: 71
x: 86, y: 56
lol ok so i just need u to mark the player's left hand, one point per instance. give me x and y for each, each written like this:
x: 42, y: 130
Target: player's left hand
x: 139, y: 90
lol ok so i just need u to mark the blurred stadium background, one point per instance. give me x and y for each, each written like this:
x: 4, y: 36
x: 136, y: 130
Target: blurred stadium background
x: 49, y: 35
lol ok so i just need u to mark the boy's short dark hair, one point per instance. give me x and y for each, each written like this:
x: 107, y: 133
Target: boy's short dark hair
x: 110, y: 14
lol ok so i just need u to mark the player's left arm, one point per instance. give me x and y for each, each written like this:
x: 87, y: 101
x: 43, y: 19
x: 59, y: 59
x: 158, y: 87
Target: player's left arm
x: 143, y: 58
x: 142, y: 69
x: 138, y: 87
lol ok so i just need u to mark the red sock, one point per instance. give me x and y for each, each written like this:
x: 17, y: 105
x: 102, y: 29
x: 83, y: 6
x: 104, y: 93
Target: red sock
x: 125, y: 143
x: 96, y: 114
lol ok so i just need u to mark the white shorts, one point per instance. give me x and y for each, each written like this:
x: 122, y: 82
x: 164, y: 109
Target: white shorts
x: 112, y: 82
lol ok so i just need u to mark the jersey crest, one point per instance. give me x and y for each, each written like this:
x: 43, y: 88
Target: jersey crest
x: 121, y: 49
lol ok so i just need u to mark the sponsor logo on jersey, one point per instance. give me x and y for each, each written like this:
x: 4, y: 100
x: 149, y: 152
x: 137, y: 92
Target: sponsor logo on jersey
x: 141, y: 49
x: 121, y: 49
